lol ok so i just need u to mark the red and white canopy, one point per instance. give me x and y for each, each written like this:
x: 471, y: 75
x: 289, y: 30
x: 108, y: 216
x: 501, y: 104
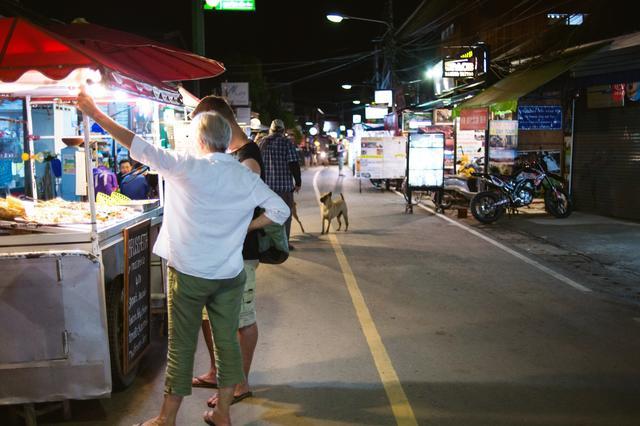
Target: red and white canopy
x: 40, y: 62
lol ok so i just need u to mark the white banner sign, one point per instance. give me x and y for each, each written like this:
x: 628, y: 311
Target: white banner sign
x: 236, y: 93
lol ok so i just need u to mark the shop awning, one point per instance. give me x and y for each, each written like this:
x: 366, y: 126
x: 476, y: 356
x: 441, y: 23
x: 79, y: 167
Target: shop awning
x: 38, y: 62
x: 504, y: 95
x: 147, y: 57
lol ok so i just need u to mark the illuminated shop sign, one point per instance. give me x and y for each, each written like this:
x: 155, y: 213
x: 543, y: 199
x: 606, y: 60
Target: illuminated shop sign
x: 238, y: 5
x: 469, y: 63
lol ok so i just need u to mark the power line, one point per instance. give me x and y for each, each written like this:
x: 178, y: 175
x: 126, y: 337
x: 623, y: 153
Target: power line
x: 327, y: 71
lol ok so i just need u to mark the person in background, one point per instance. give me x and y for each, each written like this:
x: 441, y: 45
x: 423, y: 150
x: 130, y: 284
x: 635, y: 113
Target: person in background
x: 134, y: 185
x: 340, y: 149
x: 124, y: 167
x: 104, y: 180
x: 258, y: 137
x: 306, y: 153
x: 210, y: 203
x: 248, y: 153
x: 281, y: 166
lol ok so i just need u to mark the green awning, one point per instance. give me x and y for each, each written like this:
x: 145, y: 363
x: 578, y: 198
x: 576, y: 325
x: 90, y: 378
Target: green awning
x: 504, y: 95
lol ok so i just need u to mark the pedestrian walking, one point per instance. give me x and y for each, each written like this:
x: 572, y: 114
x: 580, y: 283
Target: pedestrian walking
x: 248, y: 153
x: 210, y: 203
x: 281, y: 166
x: 340, y: 149
x: 306, y: 153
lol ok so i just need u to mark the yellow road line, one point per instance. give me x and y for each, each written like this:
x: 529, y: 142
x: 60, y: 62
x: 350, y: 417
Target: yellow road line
x: 400, y: 406
x: 395, y: 393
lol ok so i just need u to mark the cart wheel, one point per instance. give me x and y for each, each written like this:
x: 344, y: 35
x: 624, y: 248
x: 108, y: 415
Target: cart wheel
x: 115, y: 310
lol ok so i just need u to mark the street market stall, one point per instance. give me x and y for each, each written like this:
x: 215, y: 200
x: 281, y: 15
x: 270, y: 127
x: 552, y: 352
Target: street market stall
x: 78, y: 274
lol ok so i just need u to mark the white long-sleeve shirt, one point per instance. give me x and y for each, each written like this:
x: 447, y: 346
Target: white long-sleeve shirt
x: 209, y: 204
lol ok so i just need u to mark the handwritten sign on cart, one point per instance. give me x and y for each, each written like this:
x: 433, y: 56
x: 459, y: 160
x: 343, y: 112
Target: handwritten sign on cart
x: 137, y: 293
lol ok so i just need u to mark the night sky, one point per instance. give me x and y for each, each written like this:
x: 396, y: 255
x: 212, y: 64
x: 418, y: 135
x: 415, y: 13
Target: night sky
x: 281, y: 34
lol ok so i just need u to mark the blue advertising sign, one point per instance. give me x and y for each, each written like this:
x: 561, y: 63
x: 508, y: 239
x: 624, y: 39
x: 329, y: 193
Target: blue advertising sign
x: 540, y: 117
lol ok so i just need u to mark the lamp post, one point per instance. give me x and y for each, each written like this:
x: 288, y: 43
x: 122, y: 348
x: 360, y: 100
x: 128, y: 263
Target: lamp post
x: 387, y: 81
x: 197, y: 34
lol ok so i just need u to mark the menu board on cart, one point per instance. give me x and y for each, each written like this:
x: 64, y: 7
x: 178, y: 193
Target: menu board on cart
x: 425, y: 168
x: 382, y: 157
x: 137, y: 292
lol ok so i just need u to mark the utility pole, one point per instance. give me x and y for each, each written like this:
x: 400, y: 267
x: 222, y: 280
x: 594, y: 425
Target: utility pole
x: 197, y: 33
x: 389, y: 47
x: 388, y: 81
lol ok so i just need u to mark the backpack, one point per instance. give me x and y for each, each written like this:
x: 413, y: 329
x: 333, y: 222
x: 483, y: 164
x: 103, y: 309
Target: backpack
x: 273, y: 244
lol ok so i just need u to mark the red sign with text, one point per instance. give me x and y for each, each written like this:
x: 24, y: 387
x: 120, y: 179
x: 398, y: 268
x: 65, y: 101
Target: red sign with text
x: 474, y: 119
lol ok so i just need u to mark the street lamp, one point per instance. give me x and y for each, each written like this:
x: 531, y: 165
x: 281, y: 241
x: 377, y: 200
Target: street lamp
x: 389, y: 49
x: 347, y: 86
x: 337, y: 18
x: 356, y: 102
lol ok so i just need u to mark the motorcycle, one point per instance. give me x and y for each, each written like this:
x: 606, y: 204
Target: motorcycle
x: 519, y: 190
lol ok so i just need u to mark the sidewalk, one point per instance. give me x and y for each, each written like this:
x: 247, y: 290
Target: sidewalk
x: 601, y: 251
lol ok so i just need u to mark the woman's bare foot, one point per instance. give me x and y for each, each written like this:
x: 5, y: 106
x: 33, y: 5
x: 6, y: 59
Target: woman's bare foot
x: 157, y: 421
x: 213, y: 417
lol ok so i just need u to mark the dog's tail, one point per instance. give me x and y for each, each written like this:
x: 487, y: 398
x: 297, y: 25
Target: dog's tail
x: 342, y: 196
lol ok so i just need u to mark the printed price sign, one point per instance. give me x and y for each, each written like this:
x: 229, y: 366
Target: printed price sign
x: 137, y: 293
x: 540, y: 117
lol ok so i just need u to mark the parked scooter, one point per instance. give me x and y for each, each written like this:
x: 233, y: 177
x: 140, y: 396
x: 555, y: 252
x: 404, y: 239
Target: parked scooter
x: 460, y: 189
x: 520, y: 189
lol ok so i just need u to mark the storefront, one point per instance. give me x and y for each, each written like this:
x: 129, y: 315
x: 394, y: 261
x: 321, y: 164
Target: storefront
x: 527, y: 112
x: 606, y: 156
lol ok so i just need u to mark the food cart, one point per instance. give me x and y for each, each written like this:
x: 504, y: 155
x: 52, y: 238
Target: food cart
x: 78, y: 276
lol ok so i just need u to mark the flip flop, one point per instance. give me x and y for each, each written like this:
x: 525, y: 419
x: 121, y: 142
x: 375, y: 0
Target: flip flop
x: 197, y: 382
x: 235, y: 400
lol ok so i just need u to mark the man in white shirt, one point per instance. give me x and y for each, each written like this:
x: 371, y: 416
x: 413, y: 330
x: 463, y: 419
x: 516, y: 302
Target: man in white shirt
x: 210, y: 200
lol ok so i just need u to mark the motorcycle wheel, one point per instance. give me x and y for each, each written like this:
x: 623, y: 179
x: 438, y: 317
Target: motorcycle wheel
x: 483, y: 207
x: 558, y: 206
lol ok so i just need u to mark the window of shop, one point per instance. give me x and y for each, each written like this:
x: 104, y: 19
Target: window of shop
x: 572, y: 19
x: 11, y: 146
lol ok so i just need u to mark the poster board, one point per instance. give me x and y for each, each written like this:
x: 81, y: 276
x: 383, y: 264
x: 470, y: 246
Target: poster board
x: 382, y: 157
x: 237, y: 93
x: 137, y: 293
x: 503, y: 145
x: 449, y: 142
x: 469, y: 144
x: 425, y: 168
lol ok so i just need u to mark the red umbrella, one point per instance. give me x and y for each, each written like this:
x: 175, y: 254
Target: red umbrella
x: 43, y: 63
x: 147, y: 57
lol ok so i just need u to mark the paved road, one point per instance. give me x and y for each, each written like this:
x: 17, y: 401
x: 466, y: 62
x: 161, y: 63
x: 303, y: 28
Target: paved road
x: 474, y: 335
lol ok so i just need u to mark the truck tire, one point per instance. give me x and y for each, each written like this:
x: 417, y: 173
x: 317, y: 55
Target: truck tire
x: 115, y: 308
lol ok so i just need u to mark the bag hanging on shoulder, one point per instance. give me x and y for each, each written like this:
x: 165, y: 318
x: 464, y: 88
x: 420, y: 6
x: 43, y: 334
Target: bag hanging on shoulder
x: 273, y: 244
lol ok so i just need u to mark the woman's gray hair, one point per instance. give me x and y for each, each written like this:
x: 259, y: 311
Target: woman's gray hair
x: 214, y: 130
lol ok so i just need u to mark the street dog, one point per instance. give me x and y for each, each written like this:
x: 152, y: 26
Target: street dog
x: 330, y: 209
x: 294, y: 214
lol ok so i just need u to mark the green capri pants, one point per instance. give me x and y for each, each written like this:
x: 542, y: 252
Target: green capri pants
x: 186, y: 297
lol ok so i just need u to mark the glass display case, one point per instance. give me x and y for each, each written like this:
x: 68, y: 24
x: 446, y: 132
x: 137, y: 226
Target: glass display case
x: 12, y: 170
